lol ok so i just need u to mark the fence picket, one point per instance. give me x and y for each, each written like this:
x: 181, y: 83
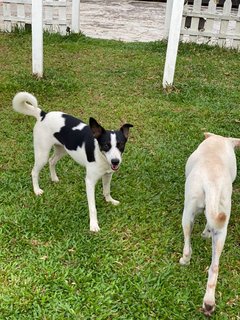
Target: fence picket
x: 195, y: 20
x: 225, y: 23
x: 21, y: 14
x: 209, y: 25
x: 7, y: 14
x: 62, y: 12
x: 236, y: 42
x: 48, y: 16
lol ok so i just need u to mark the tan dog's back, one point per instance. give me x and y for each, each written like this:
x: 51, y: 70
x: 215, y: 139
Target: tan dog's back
x: 210, y: 171
x: 214, y: 156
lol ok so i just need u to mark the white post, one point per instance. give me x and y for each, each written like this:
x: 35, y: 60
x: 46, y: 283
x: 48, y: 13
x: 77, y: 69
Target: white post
x: 37, y: 38
x: 75, y: 16
x: 168, y: 15
x: 173, y: 41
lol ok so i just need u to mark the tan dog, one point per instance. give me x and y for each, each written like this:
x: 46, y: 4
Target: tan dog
x: 210, y: 171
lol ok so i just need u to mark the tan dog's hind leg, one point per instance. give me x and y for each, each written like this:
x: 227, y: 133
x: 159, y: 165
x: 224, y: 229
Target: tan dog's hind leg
x: 187, y: 224
x: 218, y: 240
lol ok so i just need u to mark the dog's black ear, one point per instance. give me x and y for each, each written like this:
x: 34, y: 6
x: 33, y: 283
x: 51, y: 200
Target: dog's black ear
x: 97, y: 130
x: 125, y: 129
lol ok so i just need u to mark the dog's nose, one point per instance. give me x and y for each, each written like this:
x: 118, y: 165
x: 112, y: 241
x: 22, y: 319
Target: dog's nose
x: 115, y: 162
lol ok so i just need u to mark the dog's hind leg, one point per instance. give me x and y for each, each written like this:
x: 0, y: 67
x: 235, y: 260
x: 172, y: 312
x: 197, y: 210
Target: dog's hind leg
x: 59, y: 152
x: 187, y: 225
x: 41, y: 158
x: 219, y: 234
x: 218, y: 240
x: 42, y: 147
x: 106, y: 181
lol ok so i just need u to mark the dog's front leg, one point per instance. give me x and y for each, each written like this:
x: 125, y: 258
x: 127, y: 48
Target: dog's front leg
x: 90, y: 189
x: 218, y: 240
x: 106, y: 181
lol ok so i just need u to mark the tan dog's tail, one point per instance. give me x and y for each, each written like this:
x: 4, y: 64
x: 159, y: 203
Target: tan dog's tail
x: 26, y: 103
x: 220, y: 219
x: 215, y: 218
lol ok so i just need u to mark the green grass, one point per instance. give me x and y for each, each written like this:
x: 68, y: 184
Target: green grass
x: 51, y: 266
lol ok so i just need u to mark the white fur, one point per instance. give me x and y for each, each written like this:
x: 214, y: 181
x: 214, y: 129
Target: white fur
x: 114, y: 152
x: 210, y: 171
x: 44, y: 140
x: 20, y: 104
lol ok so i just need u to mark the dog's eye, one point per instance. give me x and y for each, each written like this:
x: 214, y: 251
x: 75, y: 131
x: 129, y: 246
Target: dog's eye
x: 106, y: 147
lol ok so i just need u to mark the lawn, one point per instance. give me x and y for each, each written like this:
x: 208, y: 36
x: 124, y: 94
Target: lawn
x: 51, y: 265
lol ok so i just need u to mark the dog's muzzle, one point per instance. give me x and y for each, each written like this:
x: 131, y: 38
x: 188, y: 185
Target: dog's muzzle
x: 115, y: 164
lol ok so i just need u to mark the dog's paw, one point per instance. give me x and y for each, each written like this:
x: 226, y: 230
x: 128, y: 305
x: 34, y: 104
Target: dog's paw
x: 38, y: 192
x: 55, y: 179
x: 184, y: 262
x: 112, y: 201
x: 94, y: 227
x: 208, y: 308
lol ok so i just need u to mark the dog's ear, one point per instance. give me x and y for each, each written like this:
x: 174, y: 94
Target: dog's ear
x: 97, y: 130
x: 125, y: 129
x: 208, y: 134
x: 235, y: 142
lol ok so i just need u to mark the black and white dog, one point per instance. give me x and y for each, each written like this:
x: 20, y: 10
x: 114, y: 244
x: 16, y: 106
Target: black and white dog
x: 95, y: 148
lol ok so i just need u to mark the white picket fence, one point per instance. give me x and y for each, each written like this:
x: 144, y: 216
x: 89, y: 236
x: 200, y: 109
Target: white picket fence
x: 197, y: 23
x: 211, y: 24
x: 56, y: 15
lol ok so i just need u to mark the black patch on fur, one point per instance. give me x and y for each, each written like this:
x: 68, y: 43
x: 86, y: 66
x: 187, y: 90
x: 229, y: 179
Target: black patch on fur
x: 121, y: 140
x: 72, y: 139
x: 43, y: 115
x: 104, y: 141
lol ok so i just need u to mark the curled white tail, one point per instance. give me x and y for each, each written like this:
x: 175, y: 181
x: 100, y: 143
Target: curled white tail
x: 26, y: 103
